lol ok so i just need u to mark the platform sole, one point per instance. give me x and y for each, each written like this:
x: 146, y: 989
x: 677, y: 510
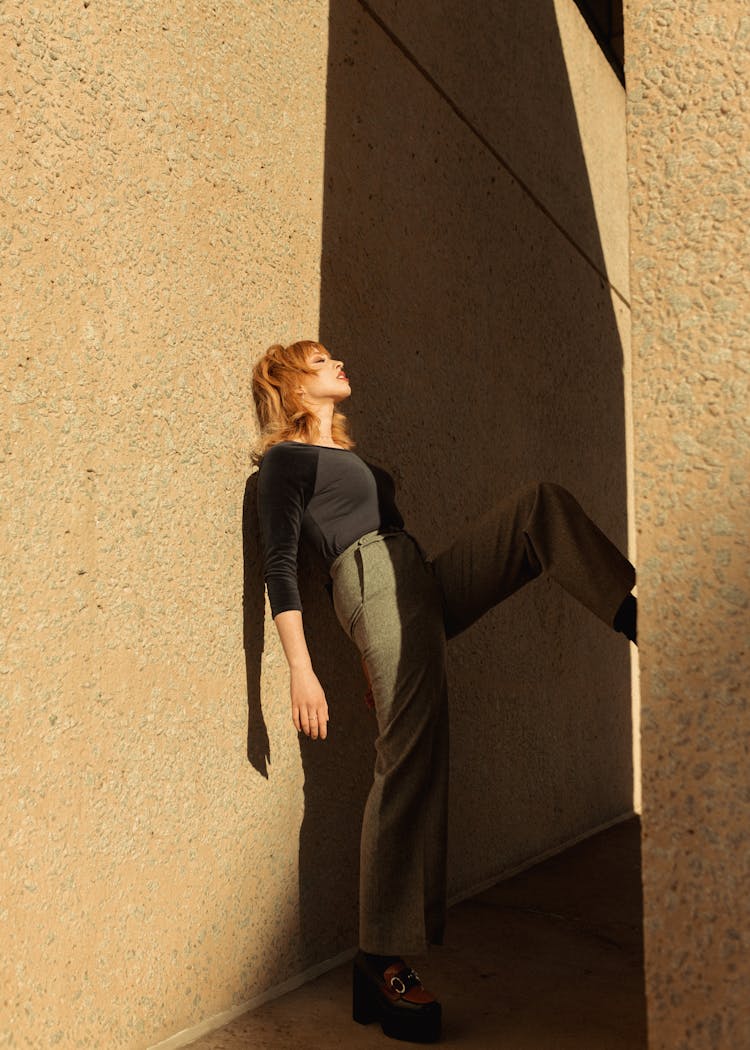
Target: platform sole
x: 418, y: 1024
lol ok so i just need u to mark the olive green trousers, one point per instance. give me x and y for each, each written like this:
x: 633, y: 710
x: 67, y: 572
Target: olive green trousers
x: 399, y: 608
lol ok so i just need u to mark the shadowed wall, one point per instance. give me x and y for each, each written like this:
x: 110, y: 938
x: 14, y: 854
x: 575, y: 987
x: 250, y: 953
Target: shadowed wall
x: 474, y: 213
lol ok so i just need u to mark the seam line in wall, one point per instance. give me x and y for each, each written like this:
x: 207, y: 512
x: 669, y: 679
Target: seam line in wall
x: 412, y: 58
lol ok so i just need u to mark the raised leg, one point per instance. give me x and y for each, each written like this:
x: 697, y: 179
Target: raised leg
x: 540, y: 529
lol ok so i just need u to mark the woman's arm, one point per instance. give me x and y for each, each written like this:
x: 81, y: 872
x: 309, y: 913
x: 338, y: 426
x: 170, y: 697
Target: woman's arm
x: 285, y: 485
x: 309, y: 706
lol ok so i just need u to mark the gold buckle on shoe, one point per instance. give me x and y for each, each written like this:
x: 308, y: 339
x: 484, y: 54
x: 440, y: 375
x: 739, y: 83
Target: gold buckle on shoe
x: 400, y: 986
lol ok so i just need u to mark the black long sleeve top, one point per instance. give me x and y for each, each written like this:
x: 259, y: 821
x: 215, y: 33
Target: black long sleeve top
x: 328, y: 495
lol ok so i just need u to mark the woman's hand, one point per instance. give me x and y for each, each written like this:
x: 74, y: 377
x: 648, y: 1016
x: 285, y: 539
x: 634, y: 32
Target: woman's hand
x: 309, y: 706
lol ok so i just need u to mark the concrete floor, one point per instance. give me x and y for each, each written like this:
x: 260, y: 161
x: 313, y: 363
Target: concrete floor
x: 548, y: 960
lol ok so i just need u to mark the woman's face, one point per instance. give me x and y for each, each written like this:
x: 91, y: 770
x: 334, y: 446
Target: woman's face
x: 328, y: 380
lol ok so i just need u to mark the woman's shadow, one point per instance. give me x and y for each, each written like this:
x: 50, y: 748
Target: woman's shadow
x: 337, y: 771
x: 253, y: 615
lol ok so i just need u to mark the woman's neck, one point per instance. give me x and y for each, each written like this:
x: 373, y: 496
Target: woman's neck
x: 325, y: 419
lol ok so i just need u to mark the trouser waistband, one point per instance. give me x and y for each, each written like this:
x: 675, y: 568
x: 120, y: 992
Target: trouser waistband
x: 363, y: 541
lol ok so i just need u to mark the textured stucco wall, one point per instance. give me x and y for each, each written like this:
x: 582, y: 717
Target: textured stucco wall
x: 687, y: 73
x: 160, y: 203
x: 179, y: 187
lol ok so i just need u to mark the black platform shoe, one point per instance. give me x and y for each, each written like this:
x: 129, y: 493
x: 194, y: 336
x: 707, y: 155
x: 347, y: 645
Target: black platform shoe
x: 395, y: 998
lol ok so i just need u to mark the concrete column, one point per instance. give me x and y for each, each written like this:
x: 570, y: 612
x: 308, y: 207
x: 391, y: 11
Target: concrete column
x: 687, y: 73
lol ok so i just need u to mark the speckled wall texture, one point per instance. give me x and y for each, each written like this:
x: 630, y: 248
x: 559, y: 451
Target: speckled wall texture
x: 180, y: 185
x: 687, y: 71
x: 160, y: 195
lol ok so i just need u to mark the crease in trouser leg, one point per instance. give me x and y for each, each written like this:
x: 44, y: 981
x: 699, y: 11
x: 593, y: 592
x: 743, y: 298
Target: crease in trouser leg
x: 403, y: 847
x: 436, y: 831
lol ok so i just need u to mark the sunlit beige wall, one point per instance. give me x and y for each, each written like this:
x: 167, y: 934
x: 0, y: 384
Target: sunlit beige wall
x: 687, y: 71
x: 160, y: 203
x: 162, y: 219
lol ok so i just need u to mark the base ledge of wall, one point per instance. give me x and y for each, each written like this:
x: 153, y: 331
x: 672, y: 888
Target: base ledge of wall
x: 189, y: 1035
x: 538, y: 858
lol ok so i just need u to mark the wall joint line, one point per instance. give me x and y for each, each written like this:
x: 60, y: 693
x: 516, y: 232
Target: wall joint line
x: 412, y: 58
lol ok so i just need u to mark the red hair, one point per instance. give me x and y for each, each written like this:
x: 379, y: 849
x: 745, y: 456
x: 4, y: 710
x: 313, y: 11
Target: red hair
x: 282, y: 414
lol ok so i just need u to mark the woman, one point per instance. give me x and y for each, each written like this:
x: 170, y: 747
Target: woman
x: 399, y: 607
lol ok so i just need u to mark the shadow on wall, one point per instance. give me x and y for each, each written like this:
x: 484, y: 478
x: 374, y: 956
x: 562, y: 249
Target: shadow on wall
x: 253, y: 615
x: 337, y: 771
x: 484, y: 353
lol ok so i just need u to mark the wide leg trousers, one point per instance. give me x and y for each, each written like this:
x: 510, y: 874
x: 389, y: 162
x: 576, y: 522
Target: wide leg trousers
x: 399, y: 608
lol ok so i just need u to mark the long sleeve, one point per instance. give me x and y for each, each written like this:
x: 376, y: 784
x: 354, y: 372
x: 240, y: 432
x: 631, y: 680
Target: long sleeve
x: 328, y: 497
x: 285, y: 485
